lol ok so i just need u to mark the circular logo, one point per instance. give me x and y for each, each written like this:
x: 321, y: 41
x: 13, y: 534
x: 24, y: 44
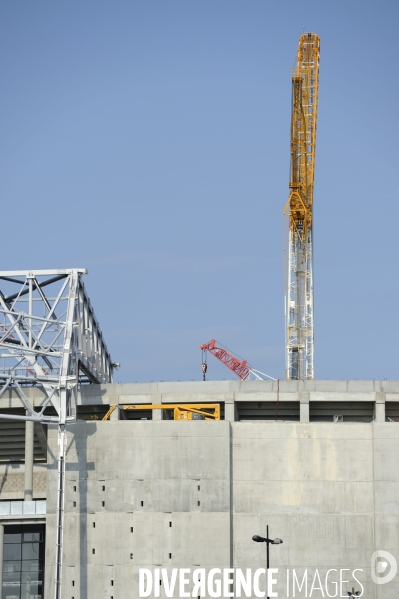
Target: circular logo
x: 383, y: 567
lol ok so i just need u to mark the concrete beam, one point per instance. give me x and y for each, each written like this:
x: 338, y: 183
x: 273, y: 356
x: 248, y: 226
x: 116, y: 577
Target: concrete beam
x: 156, y: 398
x: 230, y: 411
x: 379, y: 407
x: 29, y: 440
x: 304, y: 407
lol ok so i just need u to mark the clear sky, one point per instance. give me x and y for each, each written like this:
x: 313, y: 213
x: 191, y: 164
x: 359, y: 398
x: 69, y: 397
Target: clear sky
x: 148, y: 141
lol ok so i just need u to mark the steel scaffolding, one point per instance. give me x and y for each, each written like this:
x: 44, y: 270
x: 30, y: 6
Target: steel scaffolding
x: 50, y: 338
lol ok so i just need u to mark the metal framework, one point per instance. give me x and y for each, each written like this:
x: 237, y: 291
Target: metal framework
x: 50, y: 338
x: 299, y: 208
x: 240, y: 367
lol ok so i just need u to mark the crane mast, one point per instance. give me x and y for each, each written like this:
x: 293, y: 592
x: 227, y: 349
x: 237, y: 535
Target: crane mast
x: 299, y: 208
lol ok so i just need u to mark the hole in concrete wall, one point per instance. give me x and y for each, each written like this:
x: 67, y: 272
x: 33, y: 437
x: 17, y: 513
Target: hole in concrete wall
x: 137, y: 414
x: 266, y: 410
x: 93, y: 551
x: 12, y: 439
x: 142, y: 503
x: 392, y: 411
x: 103, y: 488
x: 169, y: 414
x: 199, y: 488
x: 112, y: 583
x: 351, y: 411
x: 199, y: 503
x: 94, y: 524
x: 73, y: 583
x: 92, y: 412
x: 74, y: 488
x: 131, y: 529
x: 131, y: 556
x: 74, y: 504
x: 103, y: 503
x: 170, y: 556
x: 170, y: 524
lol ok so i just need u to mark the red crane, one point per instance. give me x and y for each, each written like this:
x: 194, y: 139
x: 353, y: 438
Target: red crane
x: 240, y: 367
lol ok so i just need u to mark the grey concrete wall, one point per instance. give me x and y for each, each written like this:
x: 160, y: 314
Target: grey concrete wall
x: 12, y: 477
x: 140, y: 475
x: 227, y: 392
x: 236, y: 391
x: 329, y: 491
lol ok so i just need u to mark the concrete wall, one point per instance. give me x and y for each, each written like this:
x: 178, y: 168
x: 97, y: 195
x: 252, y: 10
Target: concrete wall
x: 140, y: 475
x: 192, y: 494
x: 330, y: 491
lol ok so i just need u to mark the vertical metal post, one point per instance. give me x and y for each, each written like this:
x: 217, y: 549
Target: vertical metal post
x: 60, y: 511
x: 30, y: 309
x: 29, y: 440
x: 1, y: 558
x: 267, y: 560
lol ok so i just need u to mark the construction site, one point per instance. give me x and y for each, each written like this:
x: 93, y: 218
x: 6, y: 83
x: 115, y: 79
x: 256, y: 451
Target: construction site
x: 102, y: 479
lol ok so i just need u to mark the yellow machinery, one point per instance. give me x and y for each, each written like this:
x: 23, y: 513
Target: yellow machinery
x: 108, y: 414
x: 299, y: 208
x: 206, y: 411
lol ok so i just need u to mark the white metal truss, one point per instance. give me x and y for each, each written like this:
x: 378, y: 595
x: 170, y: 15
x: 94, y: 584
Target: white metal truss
x: 50, y: 338
x: 299, y: 307
x: 257, y: 375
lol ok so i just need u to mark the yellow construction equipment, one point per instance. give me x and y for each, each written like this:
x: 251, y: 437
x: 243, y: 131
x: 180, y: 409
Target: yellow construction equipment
x: 108, y: 414
x: 206, y: 411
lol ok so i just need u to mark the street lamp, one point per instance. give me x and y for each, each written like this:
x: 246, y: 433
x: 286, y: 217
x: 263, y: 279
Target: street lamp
x: 268, y: 542
x: 352, y: 594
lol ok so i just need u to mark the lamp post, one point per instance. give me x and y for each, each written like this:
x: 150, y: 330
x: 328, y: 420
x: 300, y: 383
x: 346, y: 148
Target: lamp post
x: 268, y: 542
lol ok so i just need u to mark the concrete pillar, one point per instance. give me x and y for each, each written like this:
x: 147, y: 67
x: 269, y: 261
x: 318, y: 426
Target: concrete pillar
x: 304, y: 407
x: 115, y: 414
x: 156, y: 398
x: 229, y: 411
x: 1, y: 558
x: 379, y: 407
x: 29, y: 438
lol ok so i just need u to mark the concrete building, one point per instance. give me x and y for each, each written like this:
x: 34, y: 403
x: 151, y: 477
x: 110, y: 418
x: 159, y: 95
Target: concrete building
x: 316, y: 461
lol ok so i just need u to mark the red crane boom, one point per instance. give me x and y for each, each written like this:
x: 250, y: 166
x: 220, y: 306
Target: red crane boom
x: 241, y: 369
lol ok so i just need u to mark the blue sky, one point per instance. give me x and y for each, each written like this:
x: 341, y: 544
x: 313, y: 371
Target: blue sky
x: 148, y: 141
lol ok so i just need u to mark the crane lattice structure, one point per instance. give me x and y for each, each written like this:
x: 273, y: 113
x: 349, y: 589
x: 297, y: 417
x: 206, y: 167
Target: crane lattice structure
x: 50, y: 339
x: 240, y: 367
x: 299, y: 291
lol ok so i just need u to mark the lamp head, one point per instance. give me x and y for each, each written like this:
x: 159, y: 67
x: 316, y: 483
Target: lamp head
x: 258, y: 539
x: 277, y: 541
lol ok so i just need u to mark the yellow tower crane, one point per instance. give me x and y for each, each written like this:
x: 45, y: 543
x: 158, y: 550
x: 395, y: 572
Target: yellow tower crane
x: 299, y: 208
